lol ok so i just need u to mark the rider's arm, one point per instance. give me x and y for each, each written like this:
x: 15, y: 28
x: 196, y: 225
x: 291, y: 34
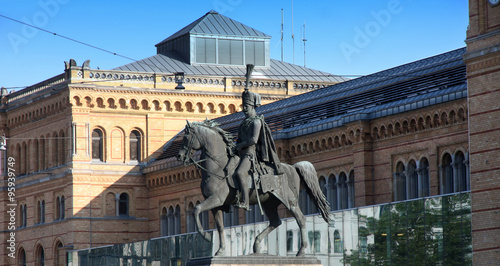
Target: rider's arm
x: 257, y: 124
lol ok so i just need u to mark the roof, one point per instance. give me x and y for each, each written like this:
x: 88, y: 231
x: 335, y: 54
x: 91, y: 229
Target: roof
x: 214, y: 23
x: 423, y: 83
x: 171, y: 62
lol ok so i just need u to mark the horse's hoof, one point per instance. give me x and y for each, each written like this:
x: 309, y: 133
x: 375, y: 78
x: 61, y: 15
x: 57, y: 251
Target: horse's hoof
x: 301, y: 253
x: 219, y: 252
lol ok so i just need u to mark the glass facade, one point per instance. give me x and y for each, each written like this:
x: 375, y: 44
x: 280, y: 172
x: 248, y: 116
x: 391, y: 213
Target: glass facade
x: 428, y: 231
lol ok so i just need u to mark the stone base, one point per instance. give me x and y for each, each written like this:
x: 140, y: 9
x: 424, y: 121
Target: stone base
x: 254, y: 260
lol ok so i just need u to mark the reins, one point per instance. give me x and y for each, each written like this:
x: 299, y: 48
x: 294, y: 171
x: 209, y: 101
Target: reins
x: 197, y: 163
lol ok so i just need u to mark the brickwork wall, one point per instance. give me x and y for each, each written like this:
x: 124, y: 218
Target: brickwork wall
x: 483, y: 75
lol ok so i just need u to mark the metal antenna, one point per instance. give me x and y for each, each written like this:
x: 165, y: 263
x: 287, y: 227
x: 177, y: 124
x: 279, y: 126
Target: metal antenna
x: 304, y: 40
x: 293, y: 38
x: 282, y: 35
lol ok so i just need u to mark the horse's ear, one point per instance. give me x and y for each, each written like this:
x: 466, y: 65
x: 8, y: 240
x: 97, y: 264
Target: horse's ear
x: 188, y: 124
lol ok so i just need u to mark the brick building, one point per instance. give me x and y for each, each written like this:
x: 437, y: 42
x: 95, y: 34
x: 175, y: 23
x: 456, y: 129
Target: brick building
x: 78, y: 140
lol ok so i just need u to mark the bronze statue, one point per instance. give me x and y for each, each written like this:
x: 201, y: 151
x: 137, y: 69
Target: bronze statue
x: 255, y: 147
x: 274, y: 183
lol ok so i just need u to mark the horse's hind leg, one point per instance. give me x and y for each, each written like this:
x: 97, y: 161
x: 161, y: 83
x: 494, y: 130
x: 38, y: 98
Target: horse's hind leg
x: 301, y: 221
x: 219, y: 222
x: 271, y: 210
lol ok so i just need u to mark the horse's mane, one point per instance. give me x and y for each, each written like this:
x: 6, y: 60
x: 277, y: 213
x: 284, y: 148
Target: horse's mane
x: 227, y: 137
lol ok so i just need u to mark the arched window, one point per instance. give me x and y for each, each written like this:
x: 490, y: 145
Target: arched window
x: 333, y: 198
x: 55, y: 154
x: 337, y: 242
x: 350, y: 186
x: 423, y: 173
x: 40, y: 218
x: 164, y: 222
x: 399, y: 182
x: 21, y: 261
x: 177, y: 220
x: 123, y: 205
x: 462, y: 172
x: 343, y: 191
x: 40, y: 256
x: 135, y: 146
x: 60, y: 208
x: 447, y: 182
x: 170, y: 221
x: 190, y: 224
x: 59, y: 255
x: 412, y: 181
x: 97, y: 145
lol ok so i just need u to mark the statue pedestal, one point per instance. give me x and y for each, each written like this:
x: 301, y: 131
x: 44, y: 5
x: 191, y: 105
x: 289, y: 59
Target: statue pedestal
x: 254, y: 260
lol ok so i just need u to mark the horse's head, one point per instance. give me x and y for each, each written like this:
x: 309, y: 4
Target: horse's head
x: 190, y: 143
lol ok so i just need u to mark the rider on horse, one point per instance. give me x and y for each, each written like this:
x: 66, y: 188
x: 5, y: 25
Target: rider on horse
x: 255, y: 146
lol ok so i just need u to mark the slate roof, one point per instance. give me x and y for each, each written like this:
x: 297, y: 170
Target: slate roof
x: 172, y: 62
x: 423, y: 83
x: 214, y: 23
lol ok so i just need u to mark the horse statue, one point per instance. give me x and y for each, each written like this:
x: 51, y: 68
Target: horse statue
x: 219, y: 192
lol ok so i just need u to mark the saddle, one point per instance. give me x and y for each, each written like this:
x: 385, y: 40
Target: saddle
x: 265, y: 178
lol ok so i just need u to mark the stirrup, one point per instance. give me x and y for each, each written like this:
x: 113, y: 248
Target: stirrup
x: 243, y: 206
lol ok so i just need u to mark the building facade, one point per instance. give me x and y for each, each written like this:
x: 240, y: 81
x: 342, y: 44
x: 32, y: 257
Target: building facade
x: 77, y: 141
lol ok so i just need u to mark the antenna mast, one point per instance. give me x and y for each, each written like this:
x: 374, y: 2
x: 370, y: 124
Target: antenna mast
x: 304, y: 40
x: 282, y: 35
x: 293, y: 38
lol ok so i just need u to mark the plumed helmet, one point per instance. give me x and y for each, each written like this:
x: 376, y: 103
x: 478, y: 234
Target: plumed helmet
x: 251, y: 98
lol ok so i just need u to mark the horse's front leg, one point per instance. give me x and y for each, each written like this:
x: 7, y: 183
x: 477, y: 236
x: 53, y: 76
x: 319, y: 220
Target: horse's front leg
x: 208, y: 204
x: 219, y: 222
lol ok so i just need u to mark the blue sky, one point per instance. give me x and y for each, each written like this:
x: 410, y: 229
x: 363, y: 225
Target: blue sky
x: 350, y: 38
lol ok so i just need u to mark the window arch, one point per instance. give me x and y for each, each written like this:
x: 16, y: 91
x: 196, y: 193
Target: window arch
x: 399, y: 182
x: 135, y: 146
x: 332, y: 197
x: 447, y: 182
x: 40, y: 218
x: 337, y: 242
x: 40, y: 256
x: 461, y: 168
x: 343, y: 191
x: 412, y: 182
x: 97, y: 145
x: 350, y: 189
x: 423, y: 175
x: 21, y: 260
x: 190, y: 223
x: 177, y: 220
x: 59, y: 254
x: 164, y: 222
x: 123, y: 205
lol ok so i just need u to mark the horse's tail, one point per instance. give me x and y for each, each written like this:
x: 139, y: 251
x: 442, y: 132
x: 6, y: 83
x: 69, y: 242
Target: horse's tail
x: 308, y: 174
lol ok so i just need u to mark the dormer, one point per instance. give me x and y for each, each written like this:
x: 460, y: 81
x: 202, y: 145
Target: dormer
x: 215, y: 39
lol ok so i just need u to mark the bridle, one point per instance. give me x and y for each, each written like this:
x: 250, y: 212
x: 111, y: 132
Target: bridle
x: 189, y: 151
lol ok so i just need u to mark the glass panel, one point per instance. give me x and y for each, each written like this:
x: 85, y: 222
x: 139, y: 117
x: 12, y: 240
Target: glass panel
x: 434, y: 231
x: 383, y: 239
x: 350, y: 236
x: 236, y: 52
x: 416, y: 232
x: 224, y: 52
x: 366, y: 233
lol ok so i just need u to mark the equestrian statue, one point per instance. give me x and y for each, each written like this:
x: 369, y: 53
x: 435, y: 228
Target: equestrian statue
x: 248, y: 173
